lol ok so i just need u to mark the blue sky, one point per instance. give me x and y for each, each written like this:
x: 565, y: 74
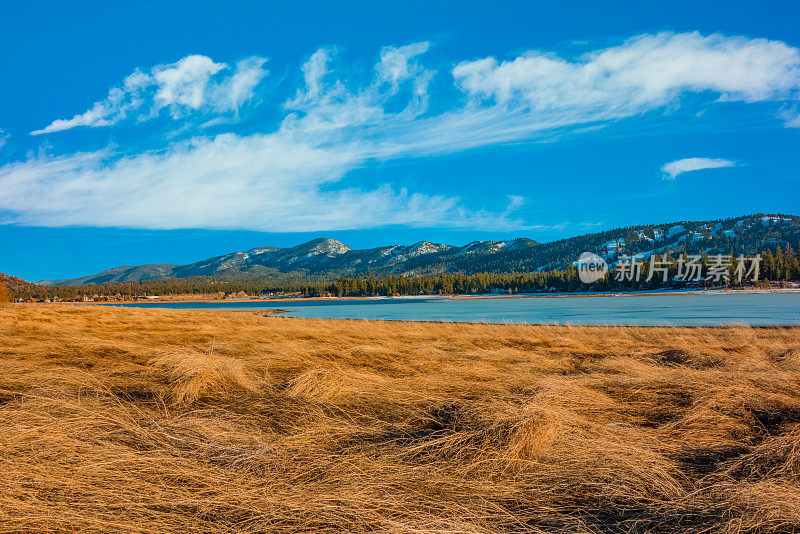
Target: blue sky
x: 170, y: 132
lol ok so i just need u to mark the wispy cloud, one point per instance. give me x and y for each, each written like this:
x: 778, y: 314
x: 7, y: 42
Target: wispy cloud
x: 675, y: 168
x: 190, y: 84
x: 4, y: 135
x: 791, y: 116
x: 264, y: 182
x: 287, y: 177
x: 540, y: 90
x: 644, y: 72
x: 515, y: 202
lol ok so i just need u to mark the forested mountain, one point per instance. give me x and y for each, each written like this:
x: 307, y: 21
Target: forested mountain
x: 13, y: 283
x: 327, y: 259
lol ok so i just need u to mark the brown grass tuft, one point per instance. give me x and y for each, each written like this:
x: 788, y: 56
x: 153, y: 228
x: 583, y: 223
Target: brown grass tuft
x: 192, y: 376
x: 335, y: 384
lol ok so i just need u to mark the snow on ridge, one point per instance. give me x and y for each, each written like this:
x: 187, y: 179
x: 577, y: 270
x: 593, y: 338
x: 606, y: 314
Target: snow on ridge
x: 482, y: 246
x: 675, y: 230
x: 328, y: 247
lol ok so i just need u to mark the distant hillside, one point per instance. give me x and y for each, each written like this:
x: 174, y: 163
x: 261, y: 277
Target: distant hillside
x: 13, y: 283
x: 328, y: 258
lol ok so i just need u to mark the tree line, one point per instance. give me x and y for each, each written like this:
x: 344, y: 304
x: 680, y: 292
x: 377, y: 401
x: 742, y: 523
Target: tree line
x: 782, y: 264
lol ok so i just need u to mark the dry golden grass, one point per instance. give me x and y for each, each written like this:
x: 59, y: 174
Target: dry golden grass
x: 125, y: 420
x: 5, y: 294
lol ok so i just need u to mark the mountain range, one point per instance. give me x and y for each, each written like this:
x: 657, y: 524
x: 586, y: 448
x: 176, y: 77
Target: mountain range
x: 328, y: 258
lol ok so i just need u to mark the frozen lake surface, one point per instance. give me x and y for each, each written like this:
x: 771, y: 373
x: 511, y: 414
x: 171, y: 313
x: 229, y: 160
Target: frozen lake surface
x: 713, y: 309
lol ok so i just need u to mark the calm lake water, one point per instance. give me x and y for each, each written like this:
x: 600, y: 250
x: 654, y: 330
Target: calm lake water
x: 652, y: 310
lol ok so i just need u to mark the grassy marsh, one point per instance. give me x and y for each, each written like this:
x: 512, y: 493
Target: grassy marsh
x: 132, y: 420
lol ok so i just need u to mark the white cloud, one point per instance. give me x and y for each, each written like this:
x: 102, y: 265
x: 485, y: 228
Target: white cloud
x: 396, y: 63
x: 675, y: 168
x: 515, y: 202
x: 190, y: 84
x: 108, y: 111
x: 791, y: 116
x: 232, y: 93
x: 260, y: 182
x: 279, y: 181
x: 184, y: 84
x: 644, y: 73
x: 288, y: 178
x: 4, y: 135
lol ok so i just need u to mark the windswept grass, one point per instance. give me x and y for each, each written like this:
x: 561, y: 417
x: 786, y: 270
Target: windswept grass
x: 125, y: 420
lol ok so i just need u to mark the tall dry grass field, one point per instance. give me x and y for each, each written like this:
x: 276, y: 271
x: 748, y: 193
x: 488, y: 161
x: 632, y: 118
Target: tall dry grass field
x: 124, y: 420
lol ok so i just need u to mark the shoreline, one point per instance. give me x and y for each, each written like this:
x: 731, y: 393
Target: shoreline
x: 279, y: 314
x: 574, y: 294
x: 758, y: 309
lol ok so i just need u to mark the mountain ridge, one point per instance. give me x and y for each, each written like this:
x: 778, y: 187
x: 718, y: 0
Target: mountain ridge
x: 323, y: 257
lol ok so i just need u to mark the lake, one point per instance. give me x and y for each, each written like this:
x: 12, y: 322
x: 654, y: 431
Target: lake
x: 713, y: 309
